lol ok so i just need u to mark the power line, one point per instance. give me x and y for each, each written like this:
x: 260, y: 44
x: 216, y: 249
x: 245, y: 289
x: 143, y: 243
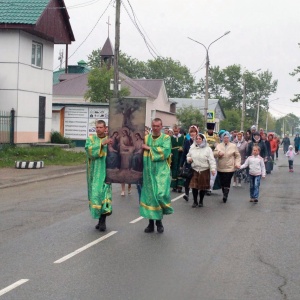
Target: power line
x: 136, y: 19
x: 150, y: 48
x: 89, y: 32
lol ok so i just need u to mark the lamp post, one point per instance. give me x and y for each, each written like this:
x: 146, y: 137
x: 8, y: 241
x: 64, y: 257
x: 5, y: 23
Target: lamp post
x: 267, y: 117
x: 244, y: 100
x: 206, y: 74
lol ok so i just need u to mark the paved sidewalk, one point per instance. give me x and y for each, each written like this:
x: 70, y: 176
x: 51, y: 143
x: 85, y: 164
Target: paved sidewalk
x: 12, y: 177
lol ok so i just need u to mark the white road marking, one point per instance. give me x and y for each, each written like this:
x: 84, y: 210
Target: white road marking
x: 85, y: 247
x: 140, y: 218
x: 175, y: 199
x: 13, y: 286
x: 136, y: 220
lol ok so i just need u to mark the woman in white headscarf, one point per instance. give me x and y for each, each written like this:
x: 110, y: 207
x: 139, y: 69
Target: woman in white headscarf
x: 203, y: 163
x: 229, y: 159
x: 242, y: 147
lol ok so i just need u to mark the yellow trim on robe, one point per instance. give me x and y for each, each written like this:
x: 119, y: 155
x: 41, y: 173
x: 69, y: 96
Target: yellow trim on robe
x: 161, y: 152
x: 150, y: 207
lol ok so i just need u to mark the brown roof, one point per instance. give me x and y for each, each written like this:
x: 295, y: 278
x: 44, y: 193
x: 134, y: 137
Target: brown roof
x: 76, y: 85
x: 107, y: 49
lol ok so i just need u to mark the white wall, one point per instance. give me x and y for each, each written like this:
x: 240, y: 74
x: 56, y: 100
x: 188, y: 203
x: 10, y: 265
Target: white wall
x: 21, y: 84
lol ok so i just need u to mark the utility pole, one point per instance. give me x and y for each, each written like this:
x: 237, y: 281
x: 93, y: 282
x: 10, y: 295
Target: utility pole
x: 117, y: 49
x: 206, y: 91
x: 244, y: 105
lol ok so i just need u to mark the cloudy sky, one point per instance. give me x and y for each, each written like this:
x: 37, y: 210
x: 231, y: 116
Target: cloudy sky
x: 263, y: 34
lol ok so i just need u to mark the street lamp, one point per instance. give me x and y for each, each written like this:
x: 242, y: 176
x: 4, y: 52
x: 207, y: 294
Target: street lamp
x: 206, y: 74
x: 267, y: 117
x: 244, y: 99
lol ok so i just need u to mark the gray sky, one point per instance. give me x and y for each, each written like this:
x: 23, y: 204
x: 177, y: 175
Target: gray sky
x: 264, y: 34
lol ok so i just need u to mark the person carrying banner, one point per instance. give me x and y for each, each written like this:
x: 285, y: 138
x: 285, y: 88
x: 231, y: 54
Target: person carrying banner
x: 99, y: 192
x: 212, y: 139
x: 177, y: 142
x: 155, y: 196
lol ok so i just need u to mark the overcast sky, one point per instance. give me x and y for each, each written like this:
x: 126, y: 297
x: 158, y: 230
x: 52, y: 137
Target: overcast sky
x: 263, y: 34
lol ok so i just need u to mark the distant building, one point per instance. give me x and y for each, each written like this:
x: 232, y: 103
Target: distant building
x: 28, y: 32
x: 214, y: 105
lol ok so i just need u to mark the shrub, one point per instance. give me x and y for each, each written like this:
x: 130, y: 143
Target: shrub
x: 57, y: 138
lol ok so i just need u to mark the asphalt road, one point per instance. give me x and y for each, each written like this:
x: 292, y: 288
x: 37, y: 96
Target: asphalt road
x: 237, y: 250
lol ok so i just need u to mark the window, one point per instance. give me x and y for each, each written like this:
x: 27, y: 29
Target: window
x: 36, y: 55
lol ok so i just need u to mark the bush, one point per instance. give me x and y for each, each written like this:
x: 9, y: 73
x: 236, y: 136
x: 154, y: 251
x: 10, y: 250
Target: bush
x: 57, y: 138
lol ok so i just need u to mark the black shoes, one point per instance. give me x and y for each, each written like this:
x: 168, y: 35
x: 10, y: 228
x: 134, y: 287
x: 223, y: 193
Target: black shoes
x: 160, y: 227
x: 101, y: 226
x: 150, y: 227
x: 195, y: 204
x: 186, y: 198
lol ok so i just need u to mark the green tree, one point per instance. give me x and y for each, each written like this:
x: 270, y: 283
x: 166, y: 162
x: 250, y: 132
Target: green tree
x: 99, y: 86
x: 189, y: 115
x: 232, y: 121
x: 178, y: 79
x: 294, y: 73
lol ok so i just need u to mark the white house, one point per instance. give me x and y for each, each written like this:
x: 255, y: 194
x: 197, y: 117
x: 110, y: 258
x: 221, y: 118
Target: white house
x: 28, y: 32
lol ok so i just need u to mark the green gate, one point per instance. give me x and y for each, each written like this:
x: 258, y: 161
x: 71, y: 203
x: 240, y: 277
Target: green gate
x: 7, y: 127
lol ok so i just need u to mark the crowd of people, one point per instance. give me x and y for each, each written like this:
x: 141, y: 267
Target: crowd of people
x: 214, y: 160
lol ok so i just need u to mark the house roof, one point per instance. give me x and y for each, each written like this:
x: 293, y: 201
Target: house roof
x: 76, y: 85
x: 47, y: 19
x: 22, y: 11
x: 213, y: 104
x: 73, y: 71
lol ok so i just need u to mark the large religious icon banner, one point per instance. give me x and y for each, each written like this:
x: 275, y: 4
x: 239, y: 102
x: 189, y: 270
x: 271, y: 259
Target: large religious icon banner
x: 124, y: 163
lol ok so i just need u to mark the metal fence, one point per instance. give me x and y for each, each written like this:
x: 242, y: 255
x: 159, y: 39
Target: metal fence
x: 7, y: 127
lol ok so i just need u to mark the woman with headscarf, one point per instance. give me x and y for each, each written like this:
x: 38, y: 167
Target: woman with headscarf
x: 188, y: 142
x: 203, y: 163
x: 229, y: 159
x: 241, y: 144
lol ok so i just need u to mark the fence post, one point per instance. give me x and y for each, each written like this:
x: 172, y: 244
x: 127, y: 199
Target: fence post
x: 12, y: 126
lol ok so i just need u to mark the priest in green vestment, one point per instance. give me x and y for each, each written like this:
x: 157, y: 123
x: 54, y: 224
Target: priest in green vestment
x: 99, y: 192
x: 177, y: 141
x: 155, y: 198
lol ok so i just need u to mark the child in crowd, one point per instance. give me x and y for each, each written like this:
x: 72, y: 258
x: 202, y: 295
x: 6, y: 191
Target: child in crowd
x: 256, y: 170
x: 291, y: 154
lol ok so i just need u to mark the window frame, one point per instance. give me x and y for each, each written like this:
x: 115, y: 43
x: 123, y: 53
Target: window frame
x: 34, y: 54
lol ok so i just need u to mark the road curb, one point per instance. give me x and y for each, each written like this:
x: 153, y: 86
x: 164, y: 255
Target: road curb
x: 42, y: 178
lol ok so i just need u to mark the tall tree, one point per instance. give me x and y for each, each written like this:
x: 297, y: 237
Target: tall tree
x: 99, y: 85
x: 294, y: 73
x: 188, y: 116
x: 178, y: 79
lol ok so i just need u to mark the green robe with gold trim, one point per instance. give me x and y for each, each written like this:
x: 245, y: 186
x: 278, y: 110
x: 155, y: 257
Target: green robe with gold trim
x: 99, y: 192
x: 155, y: 197
x: 177, y: 151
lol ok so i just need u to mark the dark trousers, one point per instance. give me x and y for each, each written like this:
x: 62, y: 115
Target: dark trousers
x: 186, y: 186
x: 291, y: 162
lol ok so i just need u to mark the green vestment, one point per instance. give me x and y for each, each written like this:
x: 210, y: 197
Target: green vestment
x: 155, y: 197
x: 99, y: 192
x: 177, y: 151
